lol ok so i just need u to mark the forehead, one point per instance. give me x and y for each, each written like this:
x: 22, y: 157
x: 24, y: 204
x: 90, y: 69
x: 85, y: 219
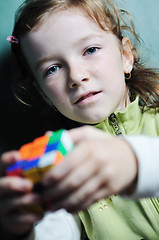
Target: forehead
x: 60, y: 33
x: 66, y: 20
x: 72, y: 24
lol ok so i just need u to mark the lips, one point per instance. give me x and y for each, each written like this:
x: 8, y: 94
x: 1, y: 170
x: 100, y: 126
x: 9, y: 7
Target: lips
x: 84, y: 96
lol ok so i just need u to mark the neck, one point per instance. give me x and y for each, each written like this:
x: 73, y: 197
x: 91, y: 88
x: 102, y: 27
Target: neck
x: 125, y: 100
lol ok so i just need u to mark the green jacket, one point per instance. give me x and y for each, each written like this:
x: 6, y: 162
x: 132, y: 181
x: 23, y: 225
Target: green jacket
x: 116, y: 218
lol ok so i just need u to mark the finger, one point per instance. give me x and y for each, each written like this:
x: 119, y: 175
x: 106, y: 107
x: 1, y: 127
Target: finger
x: 19, y: 203
x: 89, y: 201
x: 10, y: 185
x: 77, y: 155
x: 83, y: 197
x: 92, y: 190
x: 20, y: 223
x: 84, y: 133
x: 7, y: 159
x: 74, y: 180
x: 70, y: 162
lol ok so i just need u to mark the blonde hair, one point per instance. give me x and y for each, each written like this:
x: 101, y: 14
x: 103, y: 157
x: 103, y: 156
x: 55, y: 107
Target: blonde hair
x: 143, y: 82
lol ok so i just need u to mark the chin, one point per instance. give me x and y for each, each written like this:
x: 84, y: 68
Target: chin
x: 92, y: 121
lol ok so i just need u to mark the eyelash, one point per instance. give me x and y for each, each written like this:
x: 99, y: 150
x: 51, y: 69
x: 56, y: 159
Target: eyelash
x: 88, y: 51
x: 50, y: 72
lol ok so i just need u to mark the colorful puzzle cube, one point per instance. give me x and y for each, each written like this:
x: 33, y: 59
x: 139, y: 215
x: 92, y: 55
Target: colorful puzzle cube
x: 40, y: 155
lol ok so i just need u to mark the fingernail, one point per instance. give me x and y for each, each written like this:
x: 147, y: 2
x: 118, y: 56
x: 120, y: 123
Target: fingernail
x: 26, y: 185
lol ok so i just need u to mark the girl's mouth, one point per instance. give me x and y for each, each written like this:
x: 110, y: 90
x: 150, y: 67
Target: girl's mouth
x: 89, y: 95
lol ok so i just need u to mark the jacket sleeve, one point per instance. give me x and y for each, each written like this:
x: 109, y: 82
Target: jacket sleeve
x: 59, y: 225
x: 147, y: 153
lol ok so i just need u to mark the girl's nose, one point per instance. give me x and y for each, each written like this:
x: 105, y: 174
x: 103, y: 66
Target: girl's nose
x: 77, y: 75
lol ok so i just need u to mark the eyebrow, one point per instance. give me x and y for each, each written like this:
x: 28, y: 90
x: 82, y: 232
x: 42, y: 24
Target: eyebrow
x: 83, y: 39
x: 86, y: 38
x: 43, y: 60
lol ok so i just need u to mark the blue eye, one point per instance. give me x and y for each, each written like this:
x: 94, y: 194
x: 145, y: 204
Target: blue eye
x: 52, y: 70
x: 91, y: 50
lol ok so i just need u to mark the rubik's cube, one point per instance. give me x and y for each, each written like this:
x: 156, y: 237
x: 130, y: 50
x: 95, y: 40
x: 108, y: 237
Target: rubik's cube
x: 40, y: 155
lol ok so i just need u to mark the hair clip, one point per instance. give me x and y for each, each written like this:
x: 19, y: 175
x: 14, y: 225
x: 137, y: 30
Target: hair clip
x: 12, y: 39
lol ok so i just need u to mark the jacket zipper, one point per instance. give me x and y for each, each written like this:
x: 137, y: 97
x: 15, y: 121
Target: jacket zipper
x: 114, y: 123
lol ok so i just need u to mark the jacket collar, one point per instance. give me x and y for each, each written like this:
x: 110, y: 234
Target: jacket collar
x: 128, y: 121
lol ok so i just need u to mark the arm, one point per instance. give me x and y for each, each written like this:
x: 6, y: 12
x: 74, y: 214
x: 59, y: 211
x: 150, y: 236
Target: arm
x: 102, y: 165
x: 146, y: 150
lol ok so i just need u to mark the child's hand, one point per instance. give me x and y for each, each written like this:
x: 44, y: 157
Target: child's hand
x: 15, y: 197
x: 99, y: 166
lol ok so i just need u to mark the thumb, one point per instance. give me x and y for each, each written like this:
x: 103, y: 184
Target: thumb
x: 79, y: 134
x: 85, y: 133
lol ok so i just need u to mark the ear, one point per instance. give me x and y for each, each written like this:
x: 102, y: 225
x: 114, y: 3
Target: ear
x: 127, y: 55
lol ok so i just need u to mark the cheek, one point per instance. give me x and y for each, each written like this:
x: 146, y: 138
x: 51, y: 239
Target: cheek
x: 56, y: 96
x: 109, y: 64
x: 51, y: 91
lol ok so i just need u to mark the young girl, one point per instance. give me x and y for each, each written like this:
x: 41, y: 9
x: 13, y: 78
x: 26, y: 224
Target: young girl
x: 77, y: 54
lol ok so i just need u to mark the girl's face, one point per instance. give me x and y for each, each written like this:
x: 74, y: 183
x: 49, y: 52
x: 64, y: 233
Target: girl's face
x: 79, y: 67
